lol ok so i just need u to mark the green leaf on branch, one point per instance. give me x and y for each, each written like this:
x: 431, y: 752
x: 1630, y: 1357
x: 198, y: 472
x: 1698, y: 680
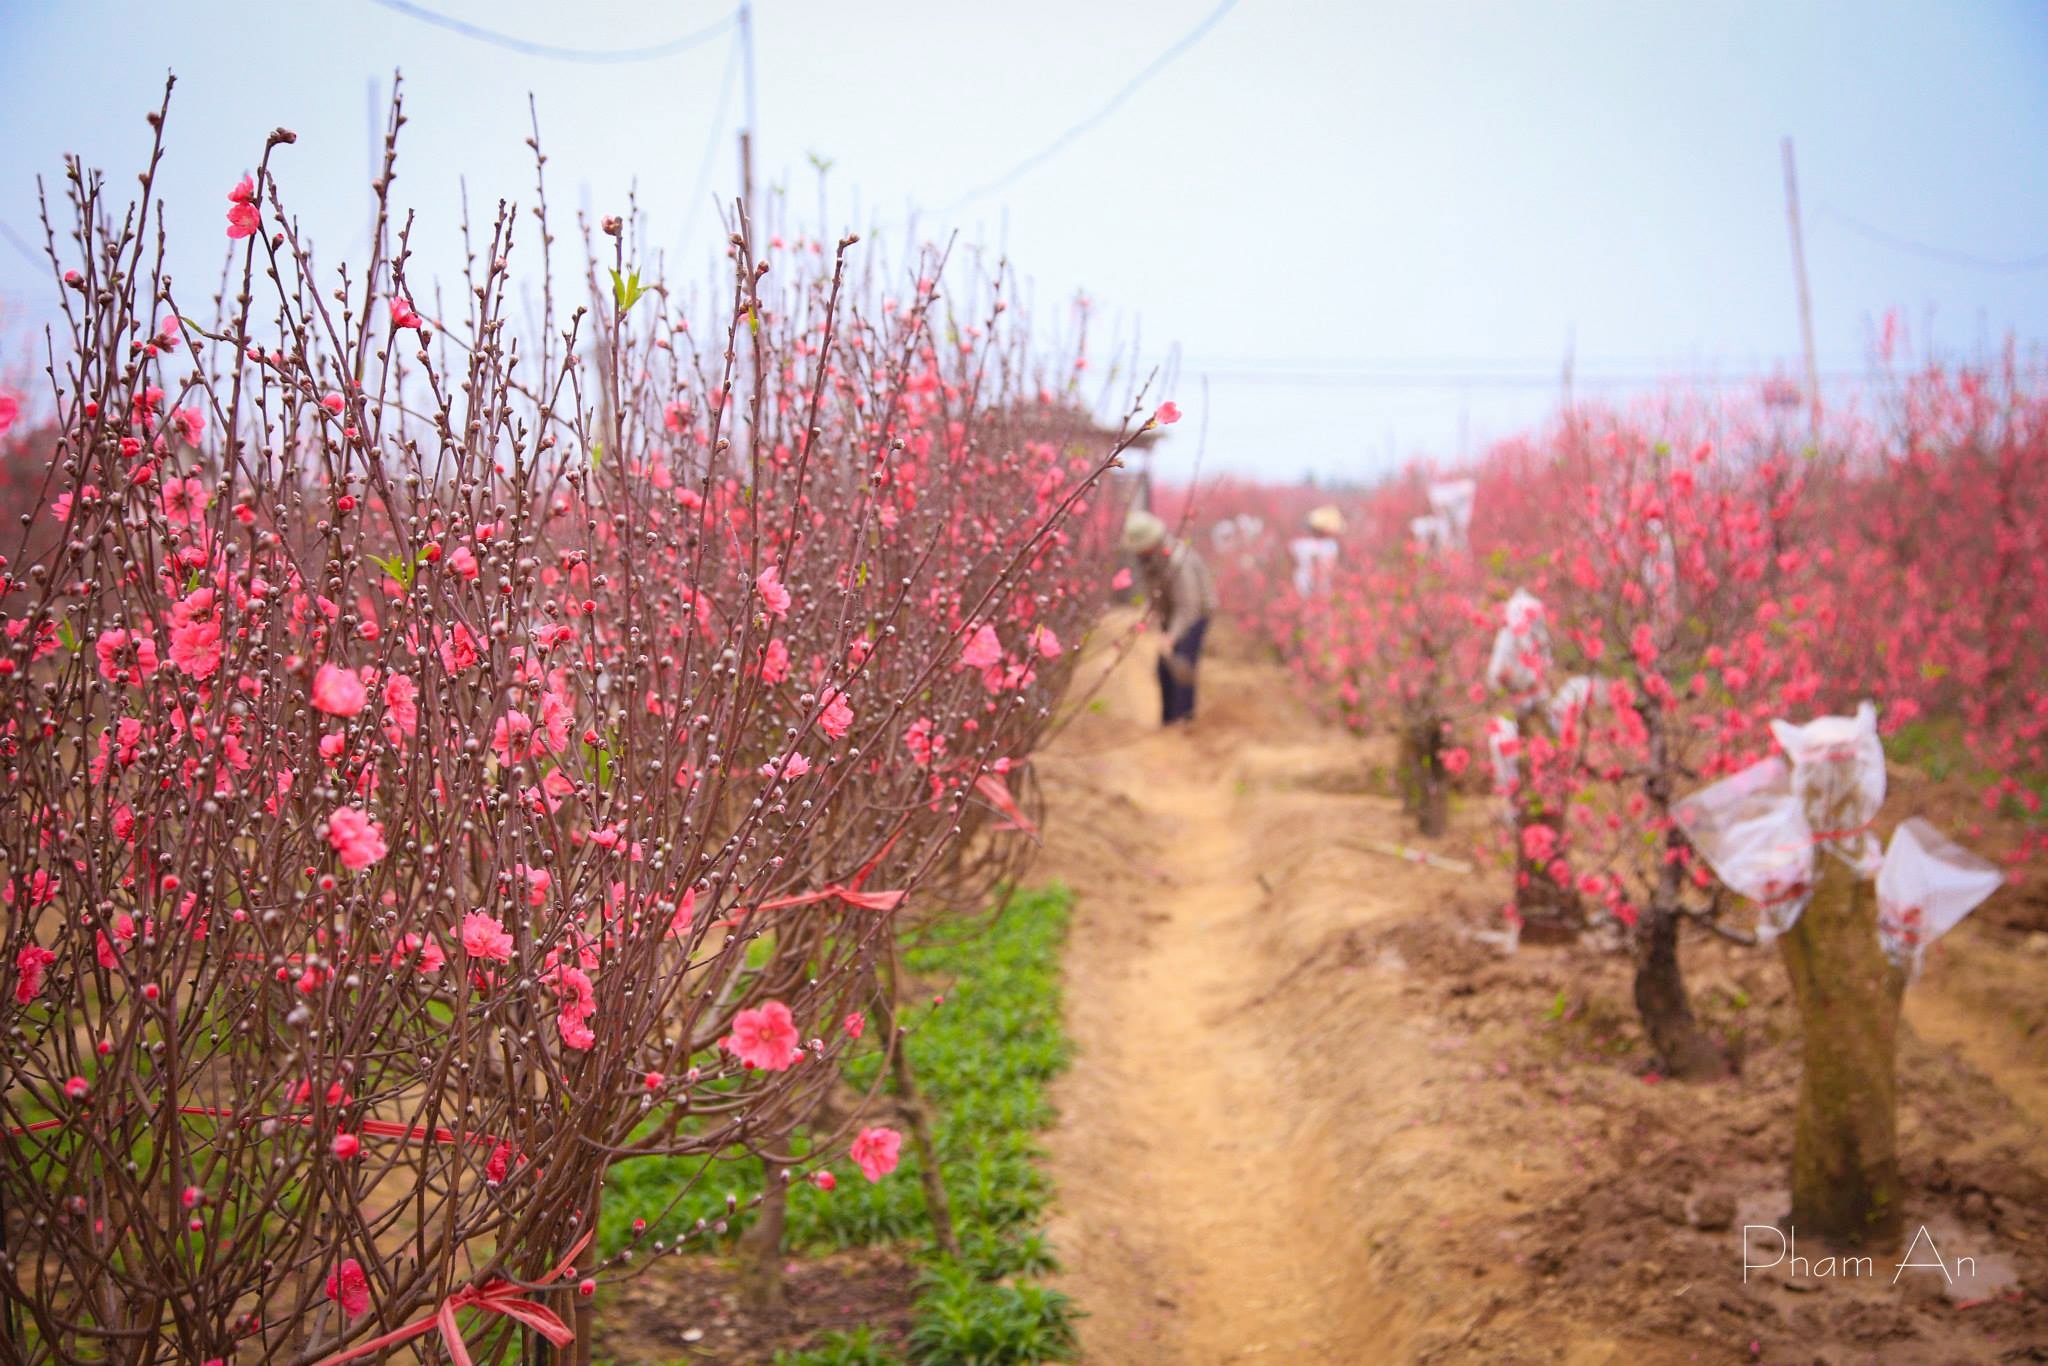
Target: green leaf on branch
x: 626, y: 290
x: 398, y: 568
x: 601, y: 760
x: 69, y: 636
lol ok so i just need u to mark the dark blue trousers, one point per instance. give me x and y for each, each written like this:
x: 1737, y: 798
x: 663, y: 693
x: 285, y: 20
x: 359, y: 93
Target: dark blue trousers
x: 1177, y: 699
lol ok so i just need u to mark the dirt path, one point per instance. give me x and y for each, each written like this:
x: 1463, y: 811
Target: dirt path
x: 1316, y: 1117
x: 1198, y: 1224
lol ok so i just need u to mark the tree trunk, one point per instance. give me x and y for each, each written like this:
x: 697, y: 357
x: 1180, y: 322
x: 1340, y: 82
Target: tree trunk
x: 535, y: 1350
x: 910, y: 1105
x: 760, y: 1251
x: 584, y: 1317
x: 1549, y: 914
x: 583, y: 1321
x: 1683, y: 1049
x: 1845, y: 1155
x: 1420, y: 774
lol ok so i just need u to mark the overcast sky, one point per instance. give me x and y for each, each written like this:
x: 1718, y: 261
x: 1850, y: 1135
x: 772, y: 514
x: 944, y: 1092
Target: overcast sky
x: 1373, y: 226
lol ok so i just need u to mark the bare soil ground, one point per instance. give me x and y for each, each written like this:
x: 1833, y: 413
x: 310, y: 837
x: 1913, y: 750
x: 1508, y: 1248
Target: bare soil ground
x: 1320, y: 1116
x: 687, y: 1310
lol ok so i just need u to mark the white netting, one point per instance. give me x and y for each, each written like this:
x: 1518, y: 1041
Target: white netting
x: 1659, y: 569
x: 1752, y: 830
x: 1315, y: 560
x: 1838, y: 776
x: 1520, y: 663
x: 1431, y: 533
x: 1570, y: 703
x: 1451, y: 500
x: 1239, y: 533
x: 1927, y: 885
x: 1503, y: 742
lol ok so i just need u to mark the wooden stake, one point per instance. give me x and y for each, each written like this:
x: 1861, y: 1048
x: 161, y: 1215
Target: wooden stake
x: 1805, y: 296
x: 1410, y: 854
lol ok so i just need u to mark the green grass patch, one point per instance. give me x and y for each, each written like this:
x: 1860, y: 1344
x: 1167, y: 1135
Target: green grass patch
x: 1936, y: 747
x: 983, y: 1061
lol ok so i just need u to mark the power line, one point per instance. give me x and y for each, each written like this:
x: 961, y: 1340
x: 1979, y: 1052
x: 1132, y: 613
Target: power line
x: 1359, y: 379
x: 28, y: 253
x: 2011, y: 265
x: 653, y: 52
x: 1130, y: 88
x: 1221, y: 363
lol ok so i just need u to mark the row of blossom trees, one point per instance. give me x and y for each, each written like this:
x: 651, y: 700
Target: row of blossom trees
x: 446, y: 757
x: 1640, y: 594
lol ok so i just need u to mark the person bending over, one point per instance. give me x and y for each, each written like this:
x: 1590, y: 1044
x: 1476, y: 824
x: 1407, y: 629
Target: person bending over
x: 1182, y: 595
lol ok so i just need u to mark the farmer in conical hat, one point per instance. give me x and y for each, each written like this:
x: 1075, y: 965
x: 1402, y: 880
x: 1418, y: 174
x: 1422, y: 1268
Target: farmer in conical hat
x: 1182, y: 595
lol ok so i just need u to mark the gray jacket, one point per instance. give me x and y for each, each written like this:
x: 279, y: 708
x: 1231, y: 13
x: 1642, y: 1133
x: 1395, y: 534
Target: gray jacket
x: 1181, y: 588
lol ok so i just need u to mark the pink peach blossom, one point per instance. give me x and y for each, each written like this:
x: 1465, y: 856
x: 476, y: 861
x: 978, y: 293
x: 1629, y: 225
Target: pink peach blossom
x: 243, y: 219
x: 338, y: 691
x: 126, y: 656
x: 837, y: 717
x: 350, y: 1288
x: 774, y: 596
x: 358, y: 839
x: 983, y: 649
x: 485, y: 936
x: 765, y: 1038
x: 876, y: 1152
x: 183, y: 500
x: 29, y: 965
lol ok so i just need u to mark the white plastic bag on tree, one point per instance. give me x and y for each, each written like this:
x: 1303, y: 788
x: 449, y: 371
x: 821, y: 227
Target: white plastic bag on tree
x: 1570, y: 703
x: 1240, y: 533
x: 1519, y: 666
x: 1502, y: 744
x: 1751, y: 828
x: 1838, y: 776
x: 1431, y: 533
x: 1927, y: 885
x: 1315, y: 562
x: 1451, y: 500
x: 1659, y: 570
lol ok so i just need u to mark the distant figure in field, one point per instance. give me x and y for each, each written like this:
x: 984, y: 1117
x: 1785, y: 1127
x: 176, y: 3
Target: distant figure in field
x: 1182, y: 595
x: 1315, y: 554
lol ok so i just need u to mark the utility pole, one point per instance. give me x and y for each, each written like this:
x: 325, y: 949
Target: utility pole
x: 746, y: 22
x: 1805, y: 298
